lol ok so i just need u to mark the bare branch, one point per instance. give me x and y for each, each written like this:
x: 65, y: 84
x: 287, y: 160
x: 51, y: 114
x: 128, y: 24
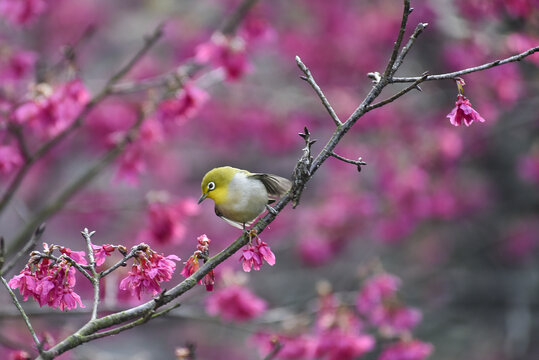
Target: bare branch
x: 418, y: 30
x: 232, y: 22
x: 24, y: 316
x: 309, y: 78
x: 26, y: 249
x: 399, y: 94
x: 455, y: 74
x: 122, y: 262
x: 359, y: 162
x: 95, y: 276
x: 405, y: 12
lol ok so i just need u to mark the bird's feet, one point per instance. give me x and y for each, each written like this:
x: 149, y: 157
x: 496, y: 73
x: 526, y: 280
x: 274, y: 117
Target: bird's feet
x: 272, y: 210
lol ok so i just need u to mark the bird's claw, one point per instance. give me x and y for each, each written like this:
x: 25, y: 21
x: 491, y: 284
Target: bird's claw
x: 272, y: 210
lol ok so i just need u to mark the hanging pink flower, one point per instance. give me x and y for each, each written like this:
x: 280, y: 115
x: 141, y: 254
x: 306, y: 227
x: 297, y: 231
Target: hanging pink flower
x: 463, y: 112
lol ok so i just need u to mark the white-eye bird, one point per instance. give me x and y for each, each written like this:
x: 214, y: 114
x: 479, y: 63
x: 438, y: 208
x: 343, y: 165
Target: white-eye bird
x: 239, y: 195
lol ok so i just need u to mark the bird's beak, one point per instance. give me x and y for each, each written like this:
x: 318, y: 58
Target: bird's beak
x: 202, y: 198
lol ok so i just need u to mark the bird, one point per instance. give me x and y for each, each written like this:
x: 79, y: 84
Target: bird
x: 241, y: 196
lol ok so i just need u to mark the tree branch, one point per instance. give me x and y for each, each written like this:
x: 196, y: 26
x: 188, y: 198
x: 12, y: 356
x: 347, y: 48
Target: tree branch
x: 455, y: 74
x: 24, y: 316
x: 418, y: 30
x: 26, y: 249
x: 310, y: 79
x: 399, y: 94
x: 232, y: 22
x: 390, y: 69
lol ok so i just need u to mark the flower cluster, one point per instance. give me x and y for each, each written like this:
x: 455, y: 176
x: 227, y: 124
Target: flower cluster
x: 338, y: 334
x: 167, y: 220
x: 378, y: 303
x: 53, y: 110
x: 183, y: 106
x: 148, y: 271
x: 235, y: 303
x: 254, y: 255
x: 339, y: 331
x: 224, y: 52
x: 50, y: 281
x: 192, y: 264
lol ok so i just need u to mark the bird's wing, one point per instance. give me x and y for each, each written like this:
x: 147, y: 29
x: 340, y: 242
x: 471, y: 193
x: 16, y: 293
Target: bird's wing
x: 275, y: 185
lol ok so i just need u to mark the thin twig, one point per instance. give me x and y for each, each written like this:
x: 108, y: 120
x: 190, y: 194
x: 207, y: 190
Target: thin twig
x: 277, y: 346
x: 87, y: 235
x: 399, y: 94
x: 358, y: 162
x: 404, y: 51
x: 455, y: 74
x: 389, y: 68
x: 16, y: 130
x: 26, y: 249
x: 310, y: 79
x: 24, y: 316
x: 122, y: 262
x: 232, y: 22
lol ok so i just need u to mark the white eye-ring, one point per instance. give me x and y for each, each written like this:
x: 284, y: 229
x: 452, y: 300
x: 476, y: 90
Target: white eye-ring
x: 211, y: 185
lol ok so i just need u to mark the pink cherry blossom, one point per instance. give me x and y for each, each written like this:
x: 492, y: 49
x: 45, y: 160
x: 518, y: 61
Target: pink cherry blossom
x: 19, y: 355
x: 293, y: 347
x: 340, y: 345
x: 17, y: 66
x: 78, y: 256
x: 20, y: 12
x: 253, y: 256
x: 394, y: 319
x: 463, y: 112
x: 190, y: 266
x: 183, y: 106
x: 101, y: 253
x: 266, y: 253
x: 49, y: 284
x: 235, y: 303
x: 50, y: 114
x: 224, y: 52
x: 407, y: 350
x: 375, y: 290
x: 250, y: 259
x: 167, y: 220
x: 148, y: 271
x: 10, y: 159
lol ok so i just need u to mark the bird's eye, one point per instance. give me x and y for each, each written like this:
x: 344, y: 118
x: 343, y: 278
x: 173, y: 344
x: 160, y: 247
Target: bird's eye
x: 211, y: 186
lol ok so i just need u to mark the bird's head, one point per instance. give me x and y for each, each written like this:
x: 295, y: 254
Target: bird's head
x: 215, y: 184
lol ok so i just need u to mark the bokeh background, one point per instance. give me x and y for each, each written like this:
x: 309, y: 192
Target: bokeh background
x: 452, y: 211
